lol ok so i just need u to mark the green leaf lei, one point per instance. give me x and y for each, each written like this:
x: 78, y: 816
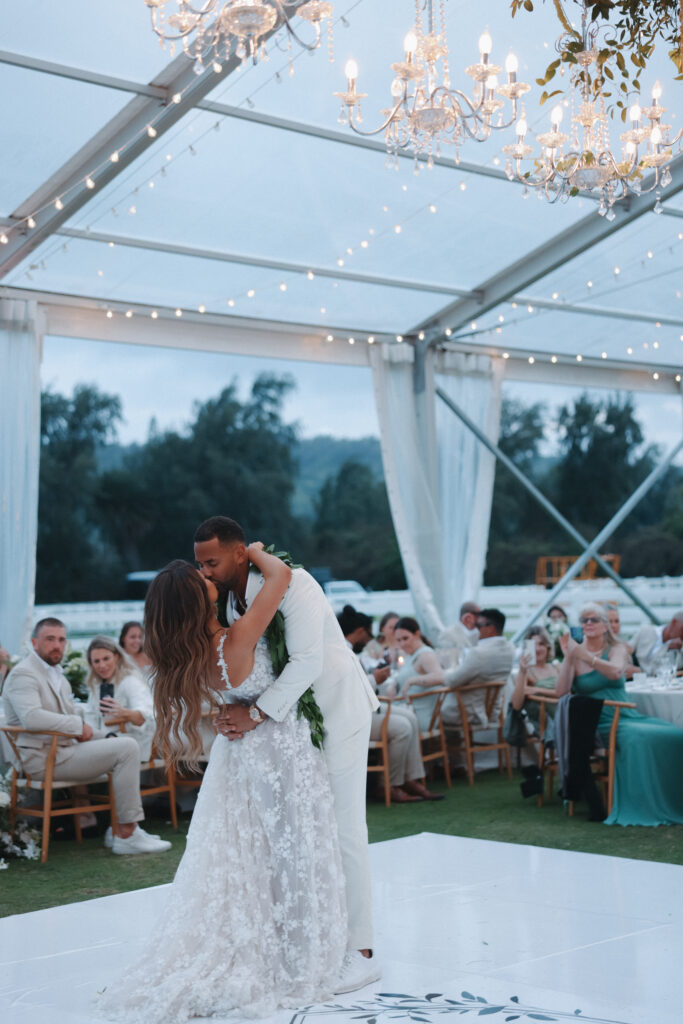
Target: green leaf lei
x: 307, y: 706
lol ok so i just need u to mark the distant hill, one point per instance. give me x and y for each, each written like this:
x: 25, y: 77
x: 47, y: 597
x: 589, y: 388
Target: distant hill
x: 323, y: 456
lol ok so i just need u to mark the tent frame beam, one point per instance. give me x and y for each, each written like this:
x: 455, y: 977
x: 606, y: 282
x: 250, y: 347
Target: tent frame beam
x: 540, y: 262
x: 605, y: 533
x: 588, y: 546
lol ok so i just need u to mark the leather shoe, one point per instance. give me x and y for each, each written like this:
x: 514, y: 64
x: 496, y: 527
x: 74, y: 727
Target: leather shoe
x: 399, y: 796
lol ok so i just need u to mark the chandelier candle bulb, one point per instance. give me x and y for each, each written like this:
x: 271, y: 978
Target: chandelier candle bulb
x: 351, y: 72
x: 511, y: 67
x: 485, y: 46
x: 410, y: 46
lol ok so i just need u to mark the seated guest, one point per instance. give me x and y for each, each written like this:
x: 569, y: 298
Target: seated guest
x: 419, y: 668
x: 132, y: 700
x: 539, y: 679
x: 463, y: 633
x: 615, y: 625
x: 131, y: 640
x: 650, y: 643
x: 406, y: 770
x: 38, y: 697
x: 649, y: 751
x: 491, y: 659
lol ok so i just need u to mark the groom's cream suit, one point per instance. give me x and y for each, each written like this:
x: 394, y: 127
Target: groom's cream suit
x: 320, y: 657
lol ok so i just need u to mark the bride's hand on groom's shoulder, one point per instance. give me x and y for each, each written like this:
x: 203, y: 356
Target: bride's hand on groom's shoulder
x: 254, y: 548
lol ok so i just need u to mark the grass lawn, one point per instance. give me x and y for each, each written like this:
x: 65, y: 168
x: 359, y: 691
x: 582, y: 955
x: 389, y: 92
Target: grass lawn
x: 491, y: 809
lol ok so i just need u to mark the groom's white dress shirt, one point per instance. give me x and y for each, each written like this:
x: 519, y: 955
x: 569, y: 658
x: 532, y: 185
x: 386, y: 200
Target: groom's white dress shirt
x: 320, y: 657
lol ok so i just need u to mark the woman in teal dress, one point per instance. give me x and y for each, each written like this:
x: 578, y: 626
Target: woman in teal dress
x: 648, y: 785
x: 420, y: 669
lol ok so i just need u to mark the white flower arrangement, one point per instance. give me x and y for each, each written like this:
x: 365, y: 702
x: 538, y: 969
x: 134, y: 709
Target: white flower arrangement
x: 23, y: 841
x: 75, y: 667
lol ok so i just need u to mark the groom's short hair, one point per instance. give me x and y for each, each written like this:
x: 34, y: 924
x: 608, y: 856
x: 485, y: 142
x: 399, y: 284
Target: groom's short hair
x: 225, y: 530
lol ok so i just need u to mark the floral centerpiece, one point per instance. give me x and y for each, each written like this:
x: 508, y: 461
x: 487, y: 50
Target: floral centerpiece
x: 75, y: 667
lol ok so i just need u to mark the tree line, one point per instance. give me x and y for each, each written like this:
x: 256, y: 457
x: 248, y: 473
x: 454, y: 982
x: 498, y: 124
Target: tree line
x: 100, y: 519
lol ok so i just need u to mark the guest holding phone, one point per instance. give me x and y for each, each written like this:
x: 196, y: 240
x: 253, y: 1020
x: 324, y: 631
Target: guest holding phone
x: 117, y: 691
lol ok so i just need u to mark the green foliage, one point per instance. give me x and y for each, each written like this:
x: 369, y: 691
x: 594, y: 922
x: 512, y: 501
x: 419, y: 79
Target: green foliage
x: 353, y: 531
x: 602, y: 459
x: 633, y: 29
x: 73, y: 562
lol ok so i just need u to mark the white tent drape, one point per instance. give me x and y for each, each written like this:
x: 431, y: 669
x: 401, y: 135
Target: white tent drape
x: 20, y: 354
x: 466, y: 471
x: 439, y: 477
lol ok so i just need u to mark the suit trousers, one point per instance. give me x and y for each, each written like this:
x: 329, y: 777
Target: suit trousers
x: 403, y: 734
x: 347, y: 768
x: 83, y: 762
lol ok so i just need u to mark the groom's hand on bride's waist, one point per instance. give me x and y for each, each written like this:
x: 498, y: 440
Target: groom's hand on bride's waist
x: 234, y: 721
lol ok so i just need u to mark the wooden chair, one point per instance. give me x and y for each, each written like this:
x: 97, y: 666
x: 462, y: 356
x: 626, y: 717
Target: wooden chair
x: 433, y: 746
x: 51, y: 808
x: 155, y: 762
x: 381, y: 746
x: 493, y: 706
x: 603, y: 760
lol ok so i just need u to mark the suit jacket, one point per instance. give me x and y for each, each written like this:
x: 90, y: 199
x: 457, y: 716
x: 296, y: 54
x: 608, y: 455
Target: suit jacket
x: 31, y: 703
x: 491, y: 659
x: 647, y: 646
x: 318, y: 656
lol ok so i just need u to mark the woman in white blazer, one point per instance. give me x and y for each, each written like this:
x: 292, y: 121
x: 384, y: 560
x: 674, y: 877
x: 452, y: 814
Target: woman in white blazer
x: 131, y: 700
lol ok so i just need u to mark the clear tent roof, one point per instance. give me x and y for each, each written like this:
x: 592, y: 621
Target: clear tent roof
x: 227, y: 203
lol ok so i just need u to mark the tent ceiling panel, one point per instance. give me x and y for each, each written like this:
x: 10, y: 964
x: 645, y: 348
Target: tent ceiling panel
x: 42, y: 127
x: 129, y: 275
x: 560, y: 333
x: 640, y: 268
x: 111, y: 39
x: 322, y: 200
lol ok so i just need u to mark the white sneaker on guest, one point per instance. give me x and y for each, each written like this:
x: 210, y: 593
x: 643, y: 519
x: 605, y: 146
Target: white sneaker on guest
x: 139, y: 842
x: 109, y: 836
x: 357, y: 971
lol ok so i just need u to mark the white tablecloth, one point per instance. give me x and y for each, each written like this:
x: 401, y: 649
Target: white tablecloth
x: 657, y: 702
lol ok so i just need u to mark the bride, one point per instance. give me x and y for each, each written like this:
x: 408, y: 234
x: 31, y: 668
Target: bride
x: 256, y: 916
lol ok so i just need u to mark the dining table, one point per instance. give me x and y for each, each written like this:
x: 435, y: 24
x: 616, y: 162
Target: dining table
x: 658, y: 696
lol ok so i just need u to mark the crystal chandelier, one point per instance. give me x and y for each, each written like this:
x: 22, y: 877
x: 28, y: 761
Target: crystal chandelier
x: 211, y: 31
x: 427, y: 112
x: 589, y: 165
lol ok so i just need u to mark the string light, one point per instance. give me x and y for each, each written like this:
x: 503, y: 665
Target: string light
x: 399, y: 338
x: 109, y: 314
x: 330, y: 337
x: 59, y: 205
x: 178, y: 312
x: 579, y: 359
x: 201, y: 309
x: 352, y: 341
x: 4, y: 239
x: 114, y: 157
x: 371, y: 339
x: 251, y: 293
x: 553, y: 359
x: 129, y: 313
x: 154, y: 314
x: 31, y: 223
x: 89, y: 183
x: 151, y: 131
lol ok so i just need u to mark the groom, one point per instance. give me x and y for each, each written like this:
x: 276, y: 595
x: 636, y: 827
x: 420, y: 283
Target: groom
x: 319, y: 657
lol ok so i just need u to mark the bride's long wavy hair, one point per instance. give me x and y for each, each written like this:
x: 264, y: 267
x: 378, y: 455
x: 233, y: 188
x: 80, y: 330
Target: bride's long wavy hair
x: 179, y: 643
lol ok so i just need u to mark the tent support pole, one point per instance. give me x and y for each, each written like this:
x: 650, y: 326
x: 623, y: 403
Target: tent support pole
x: 559, y: 518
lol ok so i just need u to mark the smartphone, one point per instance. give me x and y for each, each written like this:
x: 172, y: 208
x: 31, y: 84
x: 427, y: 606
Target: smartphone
x: 106, y: 690
x: 530, y: 650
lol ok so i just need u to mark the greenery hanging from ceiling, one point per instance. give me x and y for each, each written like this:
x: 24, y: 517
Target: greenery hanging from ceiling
x: 633, y: 29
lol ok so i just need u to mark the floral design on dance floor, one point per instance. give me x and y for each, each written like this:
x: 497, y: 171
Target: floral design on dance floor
x: 388, y: 1006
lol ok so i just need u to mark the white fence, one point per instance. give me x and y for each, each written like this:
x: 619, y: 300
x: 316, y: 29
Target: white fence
x: 663, y: 595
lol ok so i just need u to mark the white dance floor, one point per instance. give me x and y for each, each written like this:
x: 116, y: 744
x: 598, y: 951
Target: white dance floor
x: 466, y: 929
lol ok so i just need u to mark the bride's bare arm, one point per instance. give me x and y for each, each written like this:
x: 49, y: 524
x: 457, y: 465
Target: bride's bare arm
x: 245, y: 632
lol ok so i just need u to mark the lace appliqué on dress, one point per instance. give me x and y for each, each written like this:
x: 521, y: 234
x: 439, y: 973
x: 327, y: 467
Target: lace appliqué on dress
x: 256, y: 916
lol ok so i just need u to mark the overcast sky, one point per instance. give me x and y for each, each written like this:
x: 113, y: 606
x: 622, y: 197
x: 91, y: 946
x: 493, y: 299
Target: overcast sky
x: 338, y: 400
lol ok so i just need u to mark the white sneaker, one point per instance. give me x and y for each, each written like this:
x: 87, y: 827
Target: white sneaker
x: 357, y: 971
x: 139, y: 842
x: 109, y: 836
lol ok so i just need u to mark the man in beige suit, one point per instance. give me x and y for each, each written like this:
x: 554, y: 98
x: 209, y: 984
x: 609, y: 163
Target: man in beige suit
x: 489, y: 660
x: 37, y: 696
x: 318, y: 656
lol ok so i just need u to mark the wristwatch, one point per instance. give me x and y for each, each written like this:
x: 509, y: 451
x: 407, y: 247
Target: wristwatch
x: 256, y: 714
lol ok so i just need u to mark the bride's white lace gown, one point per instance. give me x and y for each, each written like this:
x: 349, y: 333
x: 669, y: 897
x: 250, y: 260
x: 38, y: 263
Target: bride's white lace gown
x: 256, y: 915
